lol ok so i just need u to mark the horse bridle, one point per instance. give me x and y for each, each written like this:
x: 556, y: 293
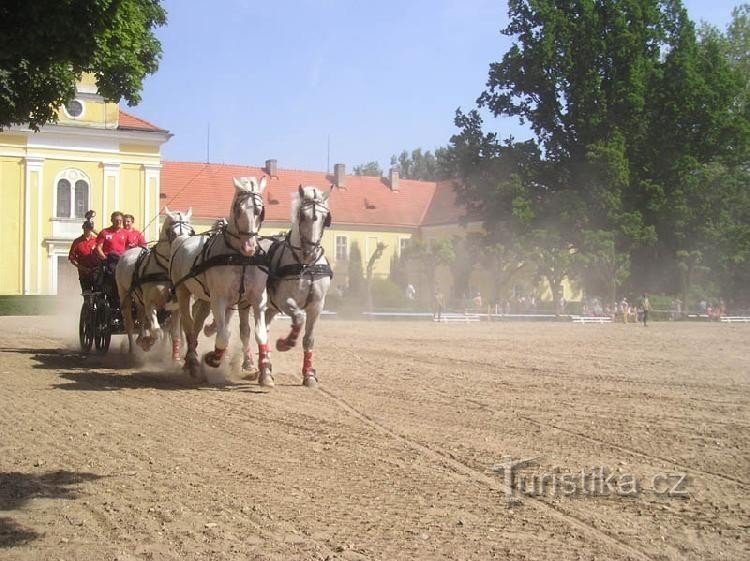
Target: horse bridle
x: 172, y: 235
x: 239, y: 200
x: 314, y: 245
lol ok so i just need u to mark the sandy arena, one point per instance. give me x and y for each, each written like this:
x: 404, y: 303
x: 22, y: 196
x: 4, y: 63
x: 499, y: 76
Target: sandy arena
x: 395, y: 456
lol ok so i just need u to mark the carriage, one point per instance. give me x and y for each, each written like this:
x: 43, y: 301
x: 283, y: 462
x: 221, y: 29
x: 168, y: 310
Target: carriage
x: 100, y: 316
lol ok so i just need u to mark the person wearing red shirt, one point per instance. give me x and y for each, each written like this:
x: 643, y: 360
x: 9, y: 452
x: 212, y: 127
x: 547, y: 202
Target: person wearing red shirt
x: 112, y: 240
x: 83, y: 256
x: 135, y: 238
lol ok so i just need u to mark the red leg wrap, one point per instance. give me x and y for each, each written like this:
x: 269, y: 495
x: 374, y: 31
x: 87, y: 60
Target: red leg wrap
x: 263, y: 355
x: 307, y: 362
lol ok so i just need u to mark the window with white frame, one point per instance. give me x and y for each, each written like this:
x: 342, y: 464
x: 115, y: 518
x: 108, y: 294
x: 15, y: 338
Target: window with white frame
x: 72, y: 195
x: 402, y: 245
x: 342, y: 248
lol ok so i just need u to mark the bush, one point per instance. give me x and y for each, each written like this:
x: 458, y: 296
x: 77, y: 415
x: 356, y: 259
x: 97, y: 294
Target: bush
x: 26, y: 305
x: 387, y: 294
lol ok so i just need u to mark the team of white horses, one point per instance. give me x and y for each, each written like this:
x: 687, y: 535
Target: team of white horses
x: 232, y: 268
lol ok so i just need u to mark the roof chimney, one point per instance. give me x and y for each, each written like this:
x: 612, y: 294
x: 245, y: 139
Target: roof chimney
x: 271, y: 168
x: 393, y: 178
x: 339, y: 175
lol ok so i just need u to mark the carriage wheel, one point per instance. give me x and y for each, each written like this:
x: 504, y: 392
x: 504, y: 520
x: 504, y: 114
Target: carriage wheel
x: 86, y: 326
x: 103, y: 332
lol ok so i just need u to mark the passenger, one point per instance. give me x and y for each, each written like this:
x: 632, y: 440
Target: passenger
x: 112, y: 240
x: 110, y: 244
x: 135, y: 237
x: 83, y: 256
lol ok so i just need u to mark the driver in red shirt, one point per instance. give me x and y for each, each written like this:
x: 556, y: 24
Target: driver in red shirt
x: 83, y: 256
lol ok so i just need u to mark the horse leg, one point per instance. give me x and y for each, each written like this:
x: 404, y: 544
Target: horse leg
x: 210, y: 329
x: 309, y: 377
x: 127, y: 317
x: 245, y: 332
x: 152, y: 324
x: 174, y: 331
x: 265, y: 376
x: 219, y: 310
x: 298, y: 318
x: 191, y: 336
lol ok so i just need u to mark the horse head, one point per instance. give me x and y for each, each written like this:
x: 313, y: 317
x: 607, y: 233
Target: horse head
x: 311, y: 216
x: 176, y: 225
x: 246, y: 214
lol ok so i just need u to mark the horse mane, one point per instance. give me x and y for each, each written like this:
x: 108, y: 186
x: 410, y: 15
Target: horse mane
x: 294, y: 207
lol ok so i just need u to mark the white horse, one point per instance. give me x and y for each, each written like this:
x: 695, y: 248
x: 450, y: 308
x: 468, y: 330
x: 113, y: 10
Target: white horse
x: 300, y: 275
x: 221, y: 271
x: 142, y: 277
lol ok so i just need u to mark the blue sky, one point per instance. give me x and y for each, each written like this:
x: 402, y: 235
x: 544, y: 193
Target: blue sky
x: 278, y: 79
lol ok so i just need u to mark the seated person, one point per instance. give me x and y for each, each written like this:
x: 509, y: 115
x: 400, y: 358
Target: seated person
x: 83, y: 256
x: 110, y: 244
x: 135, y: 238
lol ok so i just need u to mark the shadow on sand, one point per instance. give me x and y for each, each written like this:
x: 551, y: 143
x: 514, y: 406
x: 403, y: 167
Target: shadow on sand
x: 104, y: 372
x: 17, y: 488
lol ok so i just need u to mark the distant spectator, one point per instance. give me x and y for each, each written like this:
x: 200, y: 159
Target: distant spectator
x: 438, y: 304
x: 411, y: 292
x: 645, y: 309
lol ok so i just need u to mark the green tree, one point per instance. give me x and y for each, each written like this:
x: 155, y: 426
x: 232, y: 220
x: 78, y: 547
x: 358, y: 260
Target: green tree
x: 428, y: 256
x: 422, y: 166
x: 630, y: 109
x: 377, y: 254
x: 354, y: 270
x: 371, y: 169
x: 46, y: 46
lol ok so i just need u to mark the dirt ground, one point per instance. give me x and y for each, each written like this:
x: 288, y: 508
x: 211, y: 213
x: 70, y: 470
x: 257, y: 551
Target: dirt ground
x: 395, y: 456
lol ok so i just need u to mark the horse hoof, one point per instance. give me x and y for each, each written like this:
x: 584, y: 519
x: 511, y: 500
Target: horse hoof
x: 282, y: 345
x: 266, y: 379
x: 247, y: 364
x: 251, y: 376
x: 210, y: 330
x: 211, y: 360
x: 310, y: 381
x: 192, y: 365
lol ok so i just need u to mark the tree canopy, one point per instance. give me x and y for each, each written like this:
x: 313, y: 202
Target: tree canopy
x: 46, y: 46
x: 640, y: 149
x: 371, y: 169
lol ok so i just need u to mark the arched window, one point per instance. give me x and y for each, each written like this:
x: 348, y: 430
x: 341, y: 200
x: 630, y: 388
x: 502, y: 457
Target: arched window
x: 81, y: 198
x: 63, y: 198
x: 72, y: 195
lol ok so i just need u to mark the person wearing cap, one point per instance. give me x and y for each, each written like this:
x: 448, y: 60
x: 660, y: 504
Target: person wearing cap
x: 83, y: 256
x: 135, y: 237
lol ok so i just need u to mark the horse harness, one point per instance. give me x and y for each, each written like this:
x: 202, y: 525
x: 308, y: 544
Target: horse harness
x: 161, y: 261
x: 296, y: 270
x: 204, y: 261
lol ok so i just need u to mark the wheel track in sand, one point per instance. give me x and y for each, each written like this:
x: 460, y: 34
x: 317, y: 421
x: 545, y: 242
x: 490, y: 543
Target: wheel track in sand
x: 461, y: 469
x: 652, y: 457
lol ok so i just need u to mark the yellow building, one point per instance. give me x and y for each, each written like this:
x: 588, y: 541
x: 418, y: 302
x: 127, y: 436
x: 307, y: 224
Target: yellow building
x: 95, y: 157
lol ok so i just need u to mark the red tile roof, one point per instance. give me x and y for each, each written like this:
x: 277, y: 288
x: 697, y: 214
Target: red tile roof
x: 444, y: 208
x: 132, y: 123
x: 208, y: 189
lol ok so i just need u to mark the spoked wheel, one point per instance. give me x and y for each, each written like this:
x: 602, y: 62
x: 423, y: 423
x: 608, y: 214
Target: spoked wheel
x: 86, y: 326
x: 103, y: 332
